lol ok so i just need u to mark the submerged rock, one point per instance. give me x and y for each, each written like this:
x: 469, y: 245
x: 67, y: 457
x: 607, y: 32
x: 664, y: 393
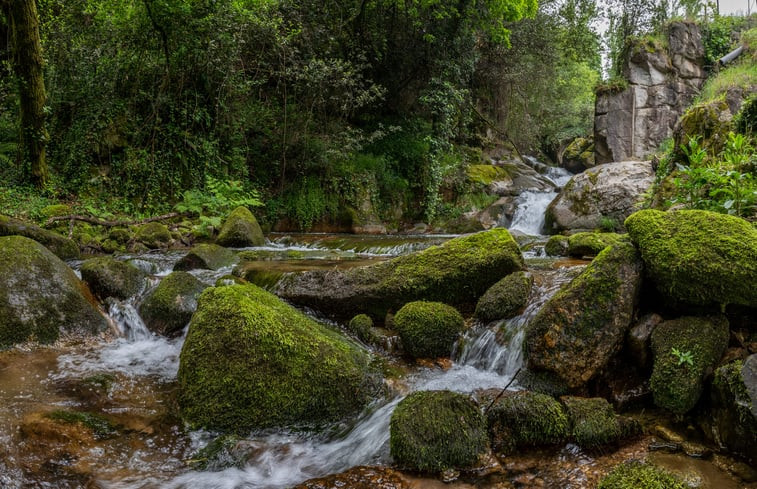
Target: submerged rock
x: 428, y: 329
x: 250, y: 361
x: 432, y: 431
x: 207, y: 257
x: 456, y: 273
x: 168, y: 308
x: 63, y: 248
x: 698, y: 257
x: 526, y: 419
x: 240, y: 229
x: 108, y: 277
x: 40, y: 296
x: 685, y: 351
x: 578, y: 330
x: 506, y: 298
x: 638, y: 475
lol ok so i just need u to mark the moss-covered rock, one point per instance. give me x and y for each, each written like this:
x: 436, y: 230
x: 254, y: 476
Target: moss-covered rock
x: 709, y: 123
x: 698, y: 257
x: 456, y: 273
x: 168, y: 308
x: 685, y: 351
x: 40, y: 296
x: 100, y: 426
x: 108, y: 277
x: 581, y: 327
x: 240, y: 229
x: 250, y: 361
x: 153, y: 235
x: 428, y: 329
x: 637, y: 475
x: 557, y: 245
x: 206, y: 256
x: 592, y: 421
x: 526, y: 419
x: 506, y: 298
x: 63, y: 248
x: 579, y: 155
x: 431, y: 431
x: 591, y: 244
x: 362, y: 327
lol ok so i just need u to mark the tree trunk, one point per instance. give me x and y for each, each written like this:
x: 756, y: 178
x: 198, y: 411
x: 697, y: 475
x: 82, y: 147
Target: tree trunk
x: 28, y: 65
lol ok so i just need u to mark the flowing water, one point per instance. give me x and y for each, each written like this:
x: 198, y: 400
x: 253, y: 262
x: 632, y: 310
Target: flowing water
x: 532, y: 204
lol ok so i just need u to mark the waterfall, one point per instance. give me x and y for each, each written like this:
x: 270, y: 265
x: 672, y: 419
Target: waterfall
x: 531, y: 205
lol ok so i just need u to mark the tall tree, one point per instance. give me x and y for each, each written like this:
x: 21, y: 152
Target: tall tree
x: 28, y: 66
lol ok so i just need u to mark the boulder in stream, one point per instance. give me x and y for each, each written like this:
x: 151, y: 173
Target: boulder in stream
x: 593, y: 422
x: 581, y: 327
x: 168, y: 308
x: 207, y: 257
x: 63, y: 248
x: 250, y: 361
x: 108, y: 277
x: 40, y: 296
x: 428, y: 329
x: 456, y: 273
x: 240, y: 229
x: 591, y: 244
x: 506, y: 298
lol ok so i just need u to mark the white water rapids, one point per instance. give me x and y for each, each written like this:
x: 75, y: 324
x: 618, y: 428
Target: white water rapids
x: 531, y: 205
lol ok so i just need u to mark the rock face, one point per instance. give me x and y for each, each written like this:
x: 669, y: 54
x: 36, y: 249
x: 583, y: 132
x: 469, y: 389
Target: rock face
x: 632, y: 122
x: 685, y: 350
x: 63, y: 248
x: 170, y: 306
x: 432, y: 431
x: 108, y: 277
x: 250, y: 362
x: 456, y: 273
x: 504, y: 299
x: 206, y: 256
x: 40, y: 296
x: 240, y: 229
x: 578, y: 330
x: 428, y: 329
x: 605, y: 193
x: 698, y: 257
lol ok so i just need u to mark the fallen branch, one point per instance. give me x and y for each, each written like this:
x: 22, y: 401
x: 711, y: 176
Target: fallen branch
x: 502, y: 392
x: 110, y: 224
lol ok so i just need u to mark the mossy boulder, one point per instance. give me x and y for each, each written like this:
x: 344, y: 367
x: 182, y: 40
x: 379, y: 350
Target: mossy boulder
x: 431, y: 431
x: 709, y: 123
x: 557, y: 245
x: 685, y: 351
x: 63, y: 248
x: 206, y: 256
x: 154, y: 235
x: 591, y: 244
x: 592, y: 421
x: 456, y: 273
x: 108, y: 277
x: 638, y: 475
x: 733, y: 400
x: 581, y: 327
x: 506, y: 298
x: 251, y: 361
x: 698, y: 257
x: 40, y: 296
x: 428, y: 329
x: 362, y: 327
x: 240, y: 229
x: 526, y: 419
x: 579, y: 155
x: 169, y: 307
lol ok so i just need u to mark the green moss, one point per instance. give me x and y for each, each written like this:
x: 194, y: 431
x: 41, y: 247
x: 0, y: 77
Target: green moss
x: 168, y: 308
x: 55, y: 210
x: 240, y: 229
x: 706, y: 122
x: 506, y: 298
x: 678, y: 385
x: 486, y: 174
x: 428, y: 329
x: 108, y: 277
x: 361, y: 326
x: 100, y: 426
x: 591, y: 244
x: 250, y: 361
x: 745, y: 121
x: 153, y: 235
x: 698, y: 257
x: 593, y: 421
x: 637, y: 475
x: 206, y: 256
x: 101, y: 381
x: 436, y: 430
x: 63, y: 248
x: 526, y: 419
x: 734, y: 417
x: 120, y: 235
x: 557, y: 245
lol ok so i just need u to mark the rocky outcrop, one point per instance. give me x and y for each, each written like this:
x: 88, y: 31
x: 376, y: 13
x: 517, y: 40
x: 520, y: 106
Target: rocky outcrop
x: 631, y: 122
x: 604, y: 195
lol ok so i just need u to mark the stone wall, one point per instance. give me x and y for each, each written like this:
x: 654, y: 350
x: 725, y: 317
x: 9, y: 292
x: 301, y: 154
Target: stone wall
x: 662, y: 81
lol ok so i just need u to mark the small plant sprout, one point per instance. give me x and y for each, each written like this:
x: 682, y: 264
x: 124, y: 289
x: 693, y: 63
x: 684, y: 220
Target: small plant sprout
x: 683, y: 357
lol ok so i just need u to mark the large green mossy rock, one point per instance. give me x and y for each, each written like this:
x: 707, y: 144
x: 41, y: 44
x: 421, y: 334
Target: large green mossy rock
x: 581, y: 327
x: 108, y: 277
x: 251, y: 361
x: 154, y: 235
x: 526, y: 419
x: 591, y: 244
x: 240, y: 229
x: 637, y: 475
x: 698, y: 257
x: 685, y: 350
x: 432, y: 431
x: 169, y: 307
x: 206, y: 256
x: 456, y: 273
x: 592, y: 421
x: 506, y: 298
x: 63, y: 248
x: 556, y: 245
x: 40, y: 296
x: 428, y: 329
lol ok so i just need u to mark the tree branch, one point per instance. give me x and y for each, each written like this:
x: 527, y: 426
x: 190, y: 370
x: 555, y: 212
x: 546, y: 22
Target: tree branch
x: 110, y: 224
